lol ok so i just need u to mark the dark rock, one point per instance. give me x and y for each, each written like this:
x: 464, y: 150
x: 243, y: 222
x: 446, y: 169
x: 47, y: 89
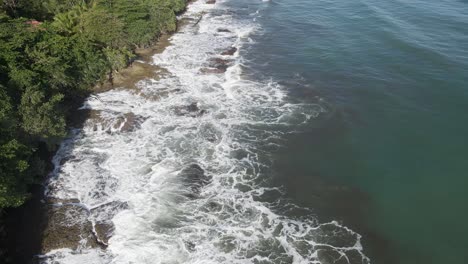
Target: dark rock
x: 52, y: 200
x: 67, y: 158
x: 110, y: 206
x: 219, y: 63
x: 102, y: 215
x: 67, y: 226
x: 216, y: 65
x: 190, y: 246
x: 69, y: 222
x: 190, y: 110
x: 229, y: 52
x: 193, y: 107
x: 129, y: 122
x: 210, y: 2
x: 224, y: 30
x: 108, y: 210
x: 78, y: 118
x: 104, y: 231
x: 211, y: 71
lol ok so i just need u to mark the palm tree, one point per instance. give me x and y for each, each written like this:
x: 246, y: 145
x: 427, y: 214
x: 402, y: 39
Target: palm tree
x: 69, y: 22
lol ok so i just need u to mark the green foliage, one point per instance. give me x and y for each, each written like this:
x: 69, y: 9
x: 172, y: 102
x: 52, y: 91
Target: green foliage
x: 104, y: 28
x: 42, y: 116
x: 61, y: 6
x: 47, y: 66
x: 13, y: 157
x: 117, y: 58
x: 13, y: 180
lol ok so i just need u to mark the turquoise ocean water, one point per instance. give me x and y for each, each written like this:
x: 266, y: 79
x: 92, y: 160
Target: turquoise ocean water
x: 390, y: 158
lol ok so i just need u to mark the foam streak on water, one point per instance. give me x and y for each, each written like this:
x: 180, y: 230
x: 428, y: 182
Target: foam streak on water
x: 190, y: 174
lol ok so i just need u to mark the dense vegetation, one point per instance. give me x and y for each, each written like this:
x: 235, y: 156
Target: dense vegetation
x: 51, y: 53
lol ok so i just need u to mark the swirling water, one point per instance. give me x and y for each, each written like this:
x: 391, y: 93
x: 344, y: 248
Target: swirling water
x: 332, y: 116
x: 391, y: 160
x: 191, y: 183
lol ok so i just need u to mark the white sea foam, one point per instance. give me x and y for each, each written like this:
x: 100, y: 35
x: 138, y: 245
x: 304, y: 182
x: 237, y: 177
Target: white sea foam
x: 231, y: 123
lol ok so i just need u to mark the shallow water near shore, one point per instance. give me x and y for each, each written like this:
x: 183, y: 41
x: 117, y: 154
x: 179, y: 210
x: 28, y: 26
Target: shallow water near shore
x: 179, y: 169
x: 391, y: 160
x: 277, y: 132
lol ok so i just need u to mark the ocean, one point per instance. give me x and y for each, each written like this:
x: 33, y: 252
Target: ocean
x: 282, y: 132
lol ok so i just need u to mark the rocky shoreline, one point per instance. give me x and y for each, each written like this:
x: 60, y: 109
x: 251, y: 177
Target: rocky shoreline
x: 38, y: 226
x: 43, y: 223
x: 68, y: 223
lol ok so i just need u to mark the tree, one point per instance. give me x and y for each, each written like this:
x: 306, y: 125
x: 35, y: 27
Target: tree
x: 47, y: 70
x: 13, y: 157
x: 104, y: 28
x: 42, y: 116
x: 69, y: 22
x: 10, y: 6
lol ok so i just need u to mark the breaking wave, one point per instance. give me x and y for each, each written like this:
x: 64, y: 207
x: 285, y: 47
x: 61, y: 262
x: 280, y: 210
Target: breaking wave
x: 178, y: 169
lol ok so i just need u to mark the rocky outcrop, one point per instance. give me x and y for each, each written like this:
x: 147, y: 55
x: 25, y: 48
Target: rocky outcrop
x: 103, y: 231
x: 191, y: 110
x: 123, y: 123
x: 229, y: 52
x: 102, y: 216
x: 67, y: 227
x: 71, y: 224
x: 128, y: 122
x: 216, y: 65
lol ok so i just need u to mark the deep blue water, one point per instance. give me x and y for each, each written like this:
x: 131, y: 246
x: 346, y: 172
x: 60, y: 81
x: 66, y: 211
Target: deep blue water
x: 390, y: 158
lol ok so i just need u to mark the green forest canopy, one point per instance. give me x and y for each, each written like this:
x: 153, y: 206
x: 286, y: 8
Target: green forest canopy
x: 51, y: 53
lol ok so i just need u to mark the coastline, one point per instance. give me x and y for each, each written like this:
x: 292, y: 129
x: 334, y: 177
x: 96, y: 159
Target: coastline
x: 188, y: 105
x: 23, y: 228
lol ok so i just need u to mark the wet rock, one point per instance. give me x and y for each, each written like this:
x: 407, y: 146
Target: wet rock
x: 193, y: 107
x: 104, y: 231
x: 229, y: 52
x: 190, y: 246
x: 156, y: 95
x: 53, y: 200
x: 102, y: 216
x: 78, y: 118
x: 107, y: 211
x: 109, y: 121
x: 66, y: 159
x: 129, y: 122
x: 189, y: 110
x: 70, y: 224
x: 219, y: 63
x: 67, y: 227
x: 194, y: 178
x: 210, y: 2
x: 211, y: 71
x: 224, y: 30
x: 216, y: 65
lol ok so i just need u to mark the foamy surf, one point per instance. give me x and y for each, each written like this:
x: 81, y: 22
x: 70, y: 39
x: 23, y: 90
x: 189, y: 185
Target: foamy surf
x: 178, y: 167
